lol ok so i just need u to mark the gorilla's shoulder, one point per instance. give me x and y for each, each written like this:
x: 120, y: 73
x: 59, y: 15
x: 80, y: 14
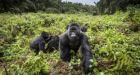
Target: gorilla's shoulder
x: 64, y: 35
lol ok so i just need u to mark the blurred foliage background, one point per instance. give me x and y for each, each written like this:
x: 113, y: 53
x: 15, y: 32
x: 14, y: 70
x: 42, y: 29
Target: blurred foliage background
x: 59, y: 6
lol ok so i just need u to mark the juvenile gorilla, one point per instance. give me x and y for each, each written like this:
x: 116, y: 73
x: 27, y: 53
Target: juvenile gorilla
x: 53, y: 44
x: 39, y: 43
x: 84, y: 28
x: 73, y: 39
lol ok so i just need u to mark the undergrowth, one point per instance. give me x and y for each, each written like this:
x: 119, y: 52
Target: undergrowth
x: 114, y: 41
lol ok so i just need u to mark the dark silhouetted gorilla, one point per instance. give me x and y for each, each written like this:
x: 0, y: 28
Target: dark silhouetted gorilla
x: 52, y: 44
x: 74, y: 39
x: 39, y: 43
x: 84, y: 28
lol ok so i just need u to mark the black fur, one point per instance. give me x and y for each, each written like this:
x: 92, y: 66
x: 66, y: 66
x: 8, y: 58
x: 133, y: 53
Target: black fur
x: 53, y: 44
x: 73, y: 39
x: 84, y: 28
x: 39, y: 43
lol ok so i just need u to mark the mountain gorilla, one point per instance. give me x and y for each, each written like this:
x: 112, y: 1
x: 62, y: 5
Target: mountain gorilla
x: 84, y: 28
x: 54, y: 40
x: 53, y: 44
x: 73, y: 39
x: 39, y: 43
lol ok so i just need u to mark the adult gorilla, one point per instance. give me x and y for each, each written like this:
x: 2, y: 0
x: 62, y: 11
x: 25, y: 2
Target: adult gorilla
x: 73, y: 39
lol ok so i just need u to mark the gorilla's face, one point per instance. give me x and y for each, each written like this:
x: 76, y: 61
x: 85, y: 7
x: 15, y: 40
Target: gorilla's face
x: 46, y: 36
x: 73, y: 32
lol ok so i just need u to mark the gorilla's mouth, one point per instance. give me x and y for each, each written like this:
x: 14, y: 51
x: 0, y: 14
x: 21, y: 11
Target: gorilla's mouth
x: 73, y: 35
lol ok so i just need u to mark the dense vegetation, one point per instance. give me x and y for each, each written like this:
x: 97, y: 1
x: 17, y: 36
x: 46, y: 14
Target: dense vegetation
x: 51, y: 6
x: 111, y: 6
x: 58, y: 6
x: 114, y: 39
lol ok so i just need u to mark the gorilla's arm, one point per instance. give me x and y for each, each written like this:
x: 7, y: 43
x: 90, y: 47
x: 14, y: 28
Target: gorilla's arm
x: 53, y: 44
x: 41, y: 46
x: 86, y: 53
x: 50, y: 45
x: 64, y: 49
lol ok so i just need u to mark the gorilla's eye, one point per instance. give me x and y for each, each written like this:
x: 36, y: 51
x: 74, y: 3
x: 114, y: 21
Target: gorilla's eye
x: 72, y: 28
